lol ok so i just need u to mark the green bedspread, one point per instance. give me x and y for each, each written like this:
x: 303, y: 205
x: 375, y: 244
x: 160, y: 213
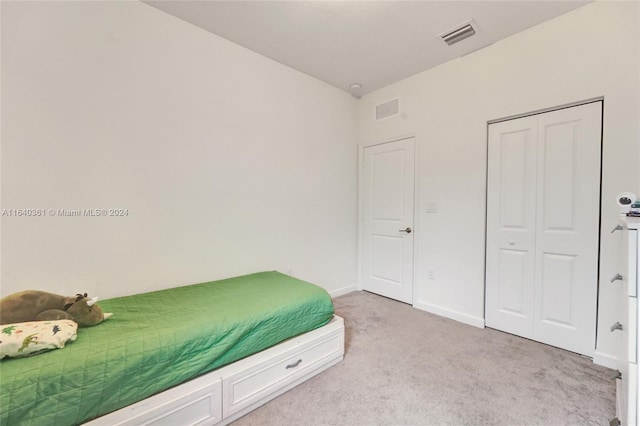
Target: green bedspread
x: 155, y: 341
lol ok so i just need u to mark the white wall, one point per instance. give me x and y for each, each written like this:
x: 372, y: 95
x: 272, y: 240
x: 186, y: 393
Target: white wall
x: 227, y: 162
x: 590, y: 52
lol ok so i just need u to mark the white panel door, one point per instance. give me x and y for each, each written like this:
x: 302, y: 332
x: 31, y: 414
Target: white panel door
x: 511, y: 207
x: 543, y: 209
x: 387, y: 215
x: 567, y: 227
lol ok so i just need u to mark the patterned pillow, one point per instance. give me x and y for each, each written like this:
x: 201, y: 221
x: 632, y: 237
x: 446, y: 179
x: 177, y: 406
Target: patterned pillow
x: 30, y: 338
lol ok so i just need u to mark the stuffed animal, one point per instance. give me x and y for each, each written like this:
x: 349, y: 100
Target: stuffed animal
x: 33, y: 305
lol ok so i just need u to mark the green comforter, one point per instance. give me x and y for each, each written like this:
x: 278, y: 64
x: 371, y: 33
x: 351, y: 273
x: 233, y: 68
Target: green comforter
x: 155, y: 341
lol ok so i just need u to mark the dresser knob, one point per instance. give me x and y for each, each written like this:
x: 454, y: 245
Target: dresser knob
x: 616, y: 326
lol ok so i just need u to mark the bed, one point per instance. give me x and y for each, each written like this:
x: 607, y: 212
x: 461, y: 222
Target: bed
x: 200, y: 354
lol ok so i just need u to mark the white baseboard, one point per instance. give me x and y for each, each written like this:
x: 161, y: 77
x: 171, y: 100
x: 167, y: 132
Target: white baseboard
x: 343, y: 290
x: 451, y: 314
x: 606, y: 360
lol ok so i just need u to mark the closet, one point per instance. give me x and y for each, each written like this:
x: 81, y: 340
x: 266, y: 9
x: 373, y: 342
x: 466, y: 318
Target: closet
x: 543, y: 214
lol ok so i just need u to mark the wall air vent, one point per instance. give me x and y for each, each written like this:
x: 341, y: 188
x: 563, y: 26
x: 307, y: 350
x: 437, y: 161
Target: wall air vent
x: 458, y: 33
x: 388, y: 109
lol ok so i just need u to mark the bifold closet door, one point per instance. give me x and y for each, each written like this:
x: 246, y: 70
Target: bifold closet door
x: 511, y: 222
x: 543, y: 209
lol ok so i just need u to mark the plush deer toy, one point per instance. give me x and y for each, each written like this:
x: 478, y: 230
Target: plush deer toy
x: 33, y: 305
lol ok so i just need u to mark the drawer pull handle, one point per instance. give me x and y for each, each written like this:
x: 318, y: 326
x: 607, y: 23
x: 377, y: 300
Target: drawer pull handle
x: 616, y: 326
x: 617, y: 277
x: 617, y: 228
x: 293, y: 364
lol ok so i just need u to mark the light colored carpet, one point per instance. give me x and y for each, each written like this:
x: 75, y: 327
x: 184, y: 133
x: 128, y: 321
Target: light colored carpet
x: 404, y: 366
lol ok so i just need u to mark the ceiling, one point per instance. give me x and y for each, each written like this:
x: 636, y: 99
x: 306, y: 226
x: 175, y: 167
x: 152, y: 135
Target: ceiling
x: 373, y: 43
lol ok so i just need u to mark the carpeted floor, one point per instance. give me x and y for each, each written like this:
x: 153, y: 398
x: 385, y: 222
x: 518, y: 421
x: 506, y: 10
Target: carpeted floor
x: 404, y: 366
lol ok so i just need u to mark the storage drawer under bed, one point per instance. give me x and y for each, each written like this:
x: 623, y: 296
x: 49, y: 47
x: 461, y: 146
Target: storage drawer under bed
x: 247, y: 387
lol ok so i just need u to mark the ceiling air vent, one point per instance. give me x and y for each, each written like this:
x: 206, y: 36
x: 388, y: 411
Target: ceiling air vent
x: 387, y: 109
x: 459, y: 33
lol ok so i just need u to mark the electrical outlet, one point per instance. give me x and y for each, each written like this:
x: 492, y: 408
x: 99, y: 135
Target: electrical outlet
x: 431, y: 207
x: 431, y: 274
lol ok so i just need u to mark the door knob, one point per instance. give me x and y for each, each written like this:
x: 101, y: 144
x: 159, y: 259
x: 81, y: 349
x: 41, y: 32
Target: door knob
x: 511, y: 242
x: 407, y: 230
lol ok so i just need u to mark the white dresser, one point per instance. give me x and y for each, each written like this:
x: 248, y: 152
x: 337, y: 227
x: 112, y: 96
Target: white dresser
x: 626, y: 327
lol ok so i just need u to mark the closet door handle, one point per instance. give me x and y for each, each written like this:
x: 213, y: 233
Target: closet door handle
x: 617, y: 277
x: 407, y: 230
x: 616, y: 326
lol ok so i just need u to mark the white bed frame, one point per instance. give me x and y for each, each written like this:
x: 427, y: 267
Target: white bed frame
x: 223, y: 395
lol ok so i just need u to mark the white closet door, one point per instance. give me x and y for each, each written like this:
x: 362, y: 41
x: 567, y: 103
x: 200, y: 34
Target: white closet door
x: 511, y: 206
x: 567, y: 227
x: 543, y: 210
